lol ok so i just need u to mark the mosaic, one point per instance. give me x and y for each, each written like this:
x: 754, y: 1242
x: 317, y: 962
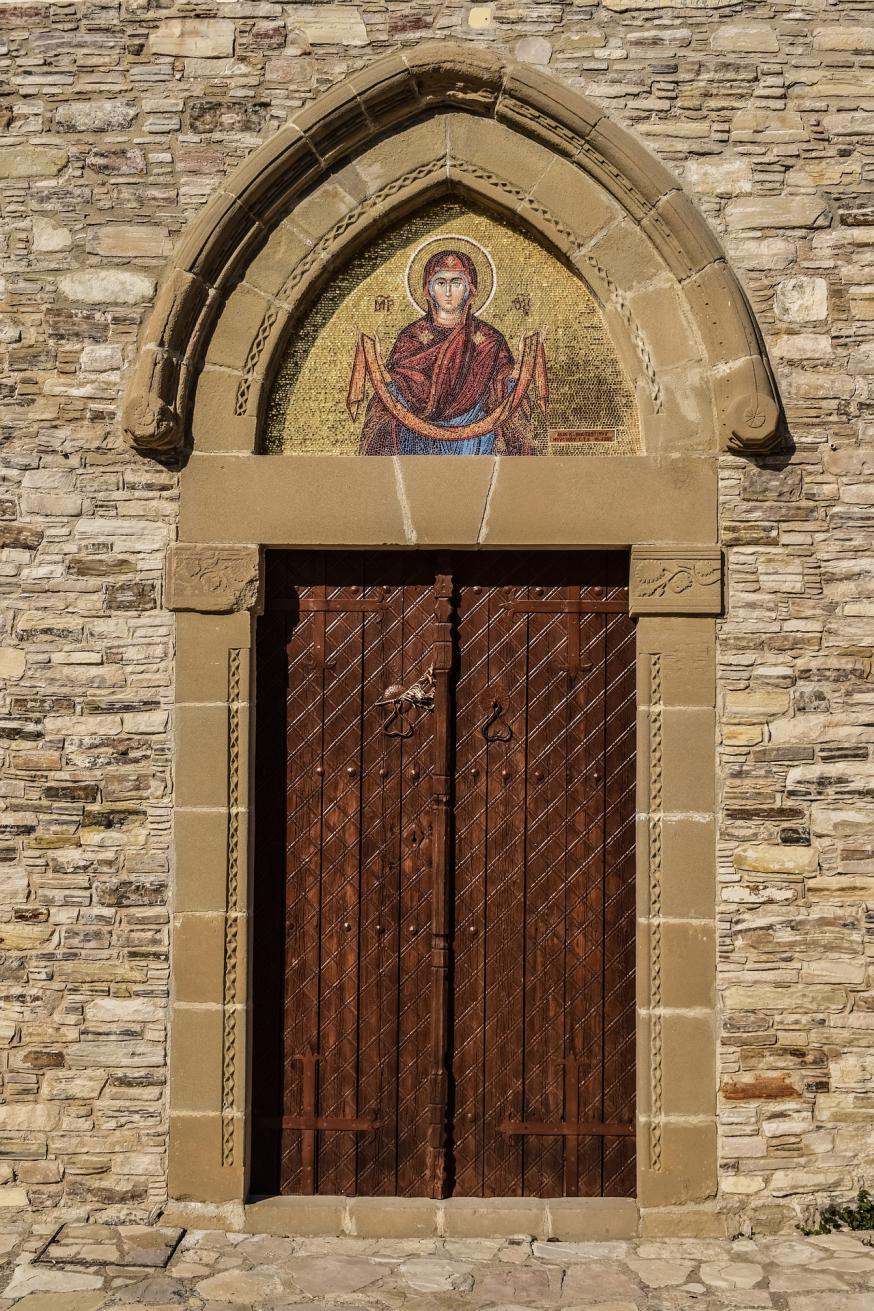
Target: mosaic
x: 453, y: 334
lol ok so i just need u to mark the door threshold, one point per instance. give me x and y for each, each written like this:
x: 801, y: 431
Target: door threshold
x: 568, y: 1219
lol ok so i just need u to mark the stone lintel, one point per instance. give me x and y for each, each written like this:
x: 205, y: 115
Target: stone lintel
x: 676, y: 580
x: 213, y: 578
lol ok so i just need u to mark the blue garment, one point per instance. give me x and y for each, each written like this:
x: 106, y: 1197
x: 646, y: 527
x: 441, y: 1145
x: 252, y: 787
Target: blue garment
x: 410, y: 443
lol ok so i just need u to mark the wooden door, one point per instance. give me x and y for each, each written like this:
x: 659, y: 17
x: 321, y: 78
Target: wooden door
x: 444, y: 973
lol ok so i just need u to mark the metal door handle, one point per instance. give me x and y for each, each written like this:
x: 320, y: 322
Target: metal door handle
x: 490, y: 730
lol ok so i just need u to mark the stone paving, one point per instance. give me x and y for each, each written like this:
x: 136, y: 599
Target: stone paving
x: 52, y: 1266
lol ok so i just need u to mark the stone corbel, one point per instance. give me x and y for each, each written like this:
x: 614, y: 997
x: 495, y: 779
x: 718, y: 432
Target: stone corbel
x: 748, y: 397
x: 676, y: 580
x: 214, y: 579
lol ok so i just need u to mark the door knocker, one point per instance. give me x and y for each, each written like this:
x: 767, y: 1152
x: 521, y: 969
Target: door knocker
x: 496, y: 728
x: 405, y: 702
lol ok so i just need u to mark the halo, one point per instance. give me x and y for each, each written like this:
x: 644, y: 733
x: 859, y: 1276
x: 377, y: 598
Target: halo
x: 488, y: 278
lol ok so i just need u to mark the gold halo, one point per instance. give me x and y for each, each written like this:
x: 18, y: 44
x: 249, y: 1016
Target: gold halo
x: 487, y: 278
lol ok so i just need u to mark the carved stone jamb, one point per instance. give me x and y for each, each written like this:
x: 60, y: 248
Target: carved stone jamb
x: 676, y: 580
x: 213, y: 579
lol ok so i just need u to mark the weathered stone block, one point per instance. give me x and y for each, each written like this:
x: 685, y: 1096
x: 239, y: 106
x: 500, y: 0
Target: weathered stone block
x: 801, y: 300
x: 218, y: 579
x: 27, y: 161
x: 199, y: 37
x: 108, y: 286
x: 330, y: 25
x: 95, y: 115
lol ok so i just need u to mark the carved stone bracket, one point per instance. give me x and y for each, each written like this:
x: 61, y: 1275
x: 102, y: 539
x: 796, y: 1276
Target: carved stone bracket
x: 676, y: 580
x: 213, y: 579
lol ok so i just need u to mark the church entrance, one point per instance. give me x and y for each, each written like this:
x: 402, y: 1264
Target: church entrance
x: 444, y: 1000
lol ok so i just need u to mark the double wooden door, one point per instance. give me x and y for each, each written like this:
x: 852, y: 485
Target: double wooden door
x: 444, y: 894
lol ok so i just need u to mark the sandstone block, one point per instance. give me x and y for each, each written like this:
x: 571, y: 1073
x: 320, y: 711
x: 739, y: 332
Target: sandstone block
x: 217, y: 579
x: 393, y: 1217
x: 100, y: 359
x: 128, y: 239
x: 13, y: 662
x: 629, y: 6
x: 850, y: 779
x: 534, y: 50
x: 204, y: 38
x: 722, y: 175
x: 95, y: 115
x: 786, y: 1182
x: 756, y: 37
x: 25, y: 937
x: 801, y: 300
x: 770, y: 858
x: 49, y: 237
x: 776, y: 212
x: 787, y: 998
x: 849, y: 123
x: 851, y: 36
x: 768, y: 125
x: 108, y: 287
x: 49, y: 504
x: 330, y: 24
x: 753, y: 705
x: 32, y: 161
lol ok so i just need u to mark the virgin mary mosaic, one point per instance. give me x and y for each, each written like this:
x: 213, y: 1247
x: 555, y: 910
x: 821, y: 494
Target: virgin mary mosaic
x: 453, y: 334
x: 450, y: 385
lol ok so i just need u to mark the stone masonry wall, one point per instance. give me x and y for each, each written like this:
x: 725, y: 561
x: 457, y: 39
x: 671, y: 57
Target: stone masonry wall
x: 120, y: 118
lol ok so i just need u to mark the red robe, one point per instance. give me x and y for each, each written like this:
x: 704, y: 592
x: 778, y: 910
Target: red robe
x: 441, y: 373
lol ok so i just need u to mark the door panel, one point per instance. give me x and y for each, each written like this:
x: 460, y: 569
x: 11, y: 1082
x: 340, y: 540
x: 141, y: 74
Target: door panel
x: 536, y: 721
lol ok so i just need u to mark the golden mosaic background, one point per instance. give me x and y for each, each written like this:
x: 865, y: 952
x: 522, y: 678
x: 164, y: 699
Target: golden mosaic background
x: 589, y: 390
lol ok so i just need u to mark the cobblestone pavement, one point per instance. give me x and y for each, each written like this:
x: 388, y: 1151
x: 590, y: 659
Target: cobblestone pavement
x: 85, y: 1267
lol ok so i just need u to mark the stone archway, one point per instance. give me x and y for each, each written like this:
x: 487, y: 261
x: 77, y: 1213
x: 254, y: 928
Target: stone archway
x: 519, y: 143
x: 515, y: 138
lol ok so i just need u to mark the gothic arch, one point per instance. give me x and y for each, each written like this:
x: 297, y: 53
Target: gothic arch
x: 507, y: 136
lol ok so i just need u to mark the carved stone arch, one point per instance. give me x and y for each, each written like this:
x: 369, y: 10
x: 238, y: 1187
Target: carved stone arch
x: 508, y: 136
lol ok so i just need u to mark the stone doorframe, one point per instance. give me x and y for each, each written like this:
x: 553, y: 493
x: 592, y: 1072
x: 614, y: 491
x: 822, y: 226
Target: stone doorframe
x: 514, y: 140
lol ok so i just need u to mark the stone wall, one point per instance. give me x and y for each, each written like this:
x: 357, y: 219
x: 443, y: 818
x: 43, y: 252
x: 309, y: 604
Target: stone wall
x: 120, y: 120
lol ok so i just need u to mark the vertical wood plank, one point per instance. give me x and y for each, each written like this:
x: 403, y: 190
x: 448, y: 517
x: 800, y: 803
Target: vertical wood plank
x: 441, y: 819
x: 380, y: 883
x: 470, y: 859
x: 584, y: 890
x: 341, y: 865
x: 504, y: 878
x: 545, y: 880
x: 414, y: 1013
x: 304, y: 717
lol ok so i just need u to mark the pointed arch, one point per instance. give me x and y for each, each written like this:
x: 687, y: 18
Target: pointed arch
x: 410, y: 127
